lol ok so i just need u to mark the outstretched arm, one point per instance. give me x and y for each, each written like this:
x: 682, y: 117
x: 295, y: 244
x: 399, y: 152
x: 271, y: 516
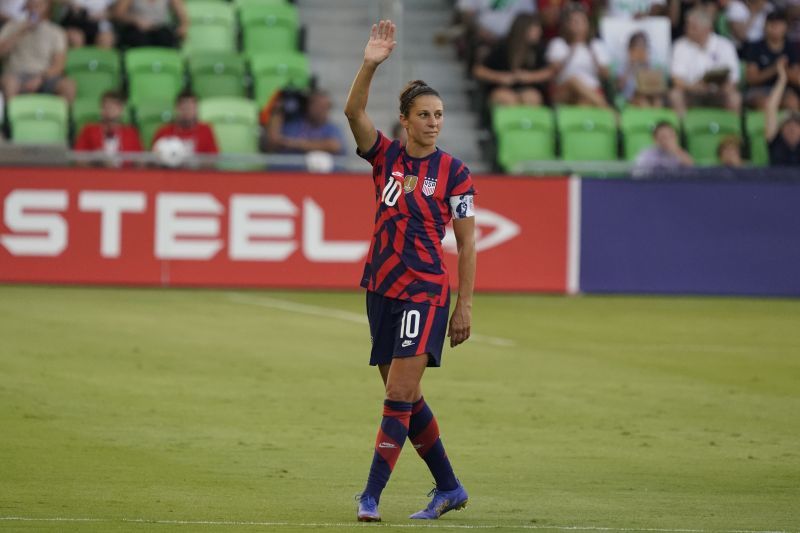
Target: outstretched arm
x: 380, y: 46
x: 461, y: 321
x: 774, y: 101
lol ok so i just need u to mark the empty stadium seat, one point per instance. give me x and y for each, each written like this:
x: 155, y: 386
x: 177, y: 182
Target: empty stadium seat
x: 212, y: 28
x: 217, y: 74
x: 272, y: 72
x: 235, y: 123
x: 154, y: 74
x: 524, y: 133
x: 587, y: 133
x: 704, y: 128
x: 637, y: 126
x: 268, y: 27
x: 38, y: 119
x: 95, y: 70
x: 150, y: 116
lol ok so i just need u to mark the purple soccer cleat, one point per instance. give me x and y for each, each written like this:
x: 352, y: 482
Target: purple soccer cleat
x: 367, y: 509
x: 442, y: 502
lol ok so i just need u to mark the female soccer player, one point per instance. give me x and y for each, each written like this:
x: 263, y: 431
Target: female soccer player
x: 418, y: 189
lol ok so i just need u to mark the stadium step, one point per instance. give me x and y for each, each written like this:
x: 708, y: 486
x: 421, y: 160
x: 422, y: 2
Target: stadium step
x: 335, y: 39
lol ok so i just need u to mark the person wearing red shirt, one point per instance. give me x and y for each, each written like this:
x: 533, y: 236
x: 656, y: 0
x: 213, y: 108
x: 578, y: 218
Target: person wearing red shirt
x: 109, y: 135
x: 197, y: 136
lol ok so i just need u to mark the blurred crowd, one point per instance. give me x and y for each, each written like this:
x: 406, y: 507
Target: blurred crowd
x: 730, y: 54
x: 35, y: 39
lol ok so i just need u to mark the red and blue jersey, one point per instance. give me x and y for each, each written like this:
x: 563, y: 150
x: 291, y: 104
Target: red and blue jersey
x: 412, y: 195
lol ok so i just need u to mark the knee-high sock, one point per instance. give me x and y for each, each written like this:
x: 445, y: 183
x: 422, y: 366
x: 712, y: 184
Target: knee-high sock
x: 391, y: 436
x: 423, y: 431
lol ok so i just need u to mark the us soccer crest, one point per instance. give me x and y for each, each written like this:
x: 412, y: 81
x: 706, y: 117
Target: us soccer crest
x: 428, y: 186
x: 410, y: 183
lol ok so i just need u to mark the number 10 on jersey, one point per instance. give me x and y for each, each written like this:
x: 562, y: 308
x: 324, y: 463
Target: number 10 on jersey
x: 409, y: 324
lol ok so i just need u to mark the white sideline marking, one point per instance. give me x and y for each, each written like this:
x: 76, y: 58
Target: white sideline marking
x: 347, y: 316
x: 375, y: 524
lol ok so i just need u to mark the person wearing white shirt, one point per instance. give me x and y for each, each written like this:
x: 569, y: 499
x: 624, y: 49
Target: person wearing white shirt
x: 747, y: 19
x: 580, y: 62
x: 705, y: 67
x: 12, y: 10
x: 494, y: 17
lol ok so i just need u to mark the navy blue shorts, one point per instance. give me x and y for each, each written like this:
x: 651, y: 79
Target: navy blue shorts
x: 400, y: 328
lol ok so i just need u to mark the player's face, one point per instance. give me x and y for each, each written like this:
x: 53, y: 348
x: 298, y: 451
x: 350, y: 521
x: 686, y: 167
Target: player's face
x: 425, y: 120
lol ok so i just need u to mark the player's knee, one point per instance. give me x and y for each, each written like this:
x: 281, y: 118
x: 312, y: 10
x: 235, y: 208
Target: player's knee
x: 400, y: 392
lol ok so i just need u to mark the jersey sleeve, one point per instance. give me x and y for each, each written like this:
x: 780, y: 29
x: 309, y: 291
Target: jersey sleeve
x: 460, y: 182
x: 377, y: 153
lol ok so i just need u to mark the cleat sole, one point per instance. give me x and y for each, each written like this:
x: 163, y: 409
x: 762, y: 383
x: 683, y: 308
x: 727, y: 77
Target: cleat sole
x: 368, y: 519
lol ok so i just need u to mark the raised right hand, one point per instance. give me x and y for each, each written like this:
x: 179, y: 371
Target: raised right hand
x: 381, y: 43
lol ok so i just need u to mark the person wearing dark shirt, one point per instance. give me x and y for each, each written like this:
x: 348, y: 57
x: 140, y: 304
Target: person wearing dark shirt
x: 762, y: 58
x: 196, y: 136
x: 515, y: 71
x: 109, y: 135
x: 783, y: 140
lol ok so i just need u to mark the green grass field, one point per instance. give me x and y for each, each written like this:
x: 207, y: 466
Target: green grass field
x: 201, y: 410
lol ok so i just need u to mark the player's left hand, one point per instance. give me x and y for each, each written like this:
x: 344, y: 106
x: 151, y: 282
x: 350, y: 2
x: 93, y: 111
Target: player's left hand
x: 460, y: 324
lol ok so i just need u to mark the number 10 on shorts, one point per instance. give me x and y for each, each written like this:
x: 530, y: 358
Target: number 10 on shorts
x: 409, y: 324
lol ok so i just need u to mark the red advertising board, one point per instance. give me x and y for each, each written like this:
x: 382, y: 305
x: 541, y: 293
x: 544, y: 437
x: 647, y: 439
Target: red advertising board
x: 150, y: 227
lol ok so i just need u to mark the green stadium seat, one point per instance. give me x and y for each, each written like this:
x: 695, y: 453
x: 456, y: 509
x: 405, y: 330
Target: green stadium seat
x: 212, y: 27
x: 86, y: 110
x: 272, y: 72
x: 38, y: 119
x: 217, y: 74
x: 154, y: 74
x: 247, y: 3
x: 754, y: 127
x: 150, y: 116
x: 704, y: 128
x: 268, y: 28
x: 524, y: 133
x: 587, y: 133
x: 95, y: 70
x: 637, y: 126
x: 235, y: 123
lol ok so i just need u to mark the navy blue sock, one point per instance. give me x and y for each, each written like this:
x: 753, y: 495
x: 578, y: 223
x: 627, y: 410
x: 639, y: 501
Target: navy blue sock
x: 423, y: 431
x: 391, y: 436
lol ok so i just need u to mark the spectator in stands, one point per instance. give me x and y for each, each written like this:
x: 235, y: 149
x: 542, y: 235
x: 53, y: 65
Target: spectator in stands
x: 12, y: 10
x: 491, y: 19
x: 762, y: 71
x: 109, y: 135
x: 551, y: 14
x: 34, y: 52
x: 639, y: 83
x: 150, y: 22
x: 705, y: 67
x: 783, y: 140
x: 515, y: 72
x: 746, y: 19
x: 665, y: 154
x: 729, y: 152
x: 87, y: 22
x: 636, y: 8
x: 197, y: 137
x: 679, y: 9
x: 580, y: 62
x: 311, y: 132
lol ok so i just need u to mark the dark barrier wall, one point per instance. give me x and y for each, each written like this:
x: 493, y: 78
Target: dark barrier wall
x: 698, y: 236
